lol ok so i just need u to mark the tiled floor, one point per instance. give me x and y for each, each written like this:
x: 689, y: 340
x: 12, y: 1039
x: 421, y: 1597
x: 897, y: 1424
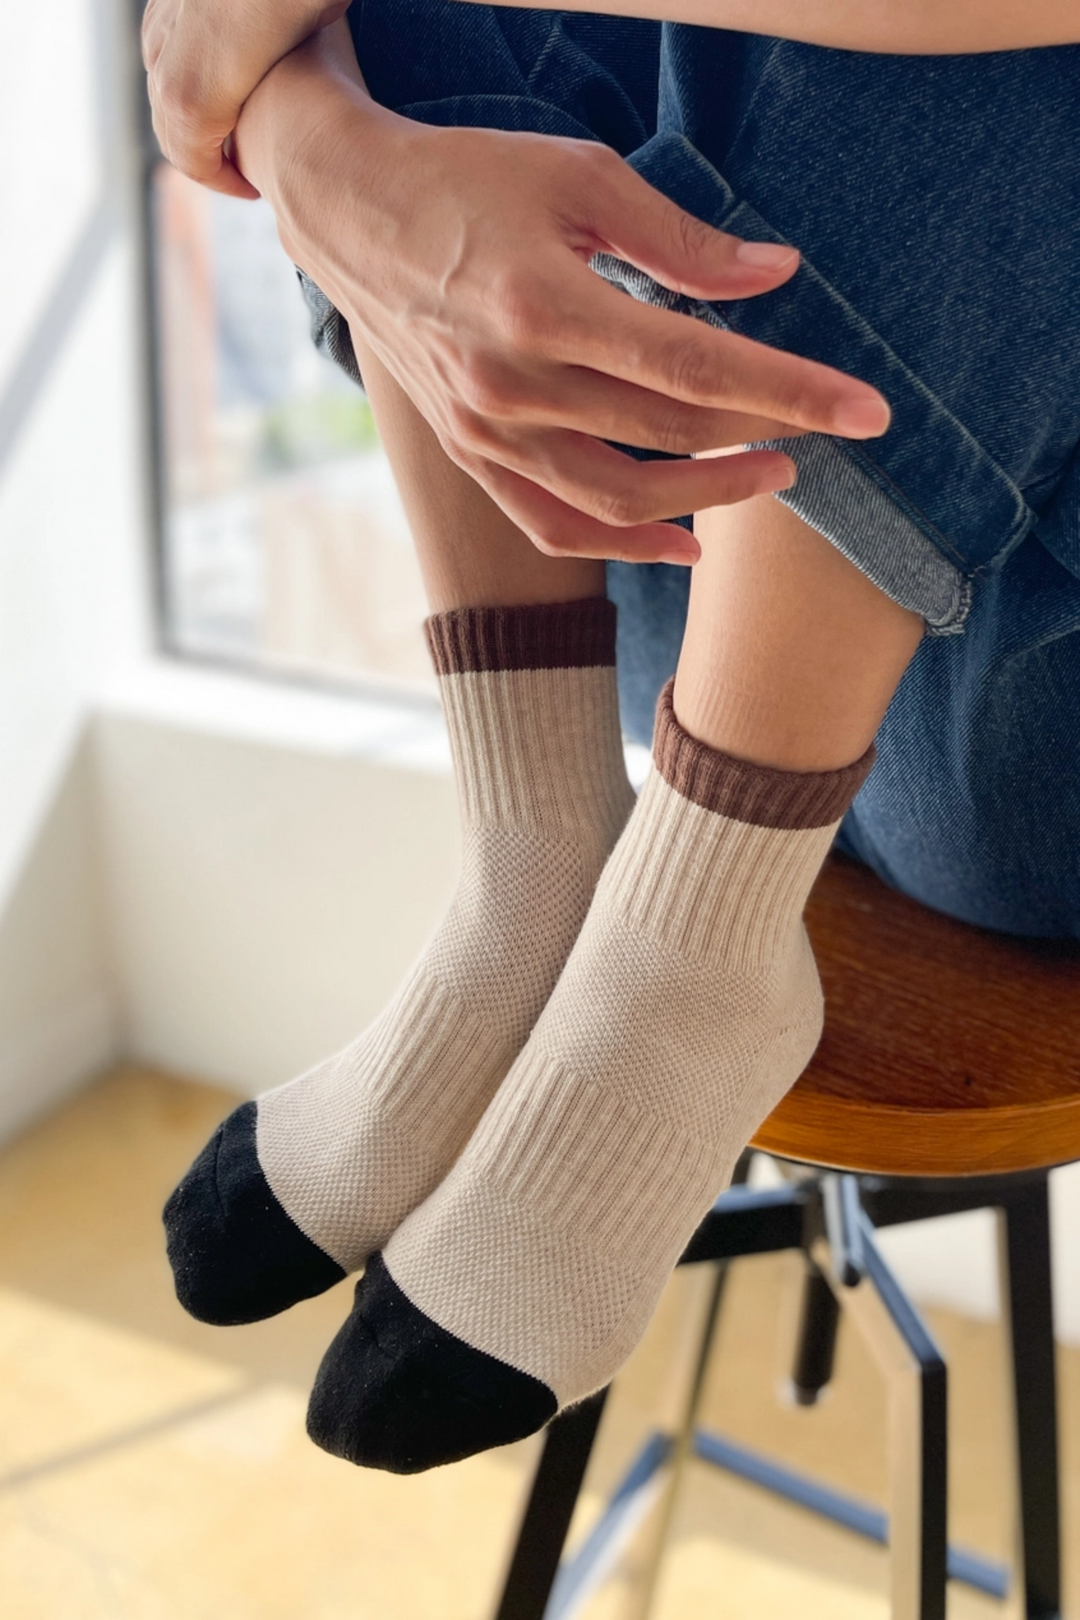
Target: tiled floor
x: 155, y: 1469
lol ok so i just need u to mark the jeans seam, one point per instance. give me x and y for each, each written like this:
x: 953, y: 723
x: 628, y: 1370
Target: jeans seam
x: 545, y: 51
x: 911, y: 511
x: 759, y: 87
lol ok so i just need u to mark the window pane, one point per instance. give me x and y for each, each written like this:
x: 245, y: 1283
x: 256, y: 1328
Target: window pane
x: 285, y: 544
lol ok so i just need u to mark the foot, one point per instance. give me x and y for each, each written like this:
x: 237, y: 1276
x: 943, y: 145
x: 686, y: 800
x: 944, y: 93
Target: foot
x: 299, y: 1188
x: 688, y: 1006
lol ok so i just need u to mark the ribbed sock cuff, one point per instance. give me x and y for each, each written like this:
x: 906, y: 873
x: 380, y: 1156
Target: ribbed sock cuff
x: 548, y: 635
x: 756, y: 794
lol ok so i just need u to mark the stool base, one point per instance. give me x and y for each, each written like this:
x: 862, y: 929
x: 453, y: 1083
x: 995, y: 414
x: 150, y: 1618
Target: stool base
x: 831, y: 1218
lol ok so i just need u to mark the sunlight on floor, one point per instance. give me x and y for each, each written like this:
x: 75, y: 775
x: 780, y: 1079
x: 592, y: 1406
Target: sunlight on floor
x: 156, y: 1469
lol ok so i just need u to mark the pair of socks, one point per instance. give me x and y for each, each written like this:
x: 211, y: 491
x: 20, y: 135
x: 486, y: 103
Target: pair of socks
x: 518, y: 1150
x: 297, y: 1189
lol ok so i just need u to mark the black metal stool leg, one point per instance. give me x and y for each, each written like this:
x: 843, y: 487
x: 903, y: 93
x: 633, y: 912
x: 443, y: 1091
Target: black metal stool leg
x: 755, y: 1223
x: 917, y: 1433
x: 1027, y: 1303
x: 546, y: 1520
x: 682, y: 1442
x: 815, y: 1349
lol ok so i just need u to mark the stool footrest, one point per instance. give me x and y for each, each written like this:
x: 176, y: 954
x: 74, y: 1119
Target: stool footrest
x: 581, y: 1573
x: 969, y: 1568
x: 751, y: 1220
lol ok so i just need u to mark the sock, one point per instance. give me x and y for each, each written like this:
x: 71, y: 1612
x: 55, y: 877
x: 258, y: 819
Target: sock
x: 298, y: 1188
x: 688, y: 1006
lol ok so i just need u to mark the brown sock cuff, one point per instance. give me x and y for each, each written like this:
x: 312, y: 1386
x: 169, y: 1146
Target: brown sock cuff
x: 757, y: 794
x: 547, y: 635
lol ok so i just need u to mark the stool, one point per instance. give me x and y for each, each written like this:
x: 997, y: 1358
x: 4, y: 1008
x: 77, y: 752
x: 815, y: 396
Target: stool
x: 947, y: 1079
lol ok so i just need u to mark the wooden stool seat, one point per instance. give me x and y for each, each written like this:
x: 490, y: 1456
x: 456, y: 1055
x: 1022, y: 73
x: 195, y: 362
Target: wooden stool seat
x: 948, y: 1050
x: 948, y: 1076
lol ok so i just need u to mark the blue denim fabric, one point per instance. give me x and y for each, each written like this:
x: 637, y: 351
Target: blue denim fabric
x: 936, y: 202
x: 973, y: 806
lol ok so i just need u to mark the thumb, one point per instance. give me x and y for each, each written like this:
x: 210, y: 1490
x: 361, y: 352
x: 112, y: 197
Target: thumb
x: 638, y: 223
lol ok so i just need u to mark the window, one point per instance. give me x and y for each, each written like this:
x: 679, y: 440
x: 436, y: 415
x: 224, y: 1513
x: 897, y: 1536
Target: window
x: 283, y: 544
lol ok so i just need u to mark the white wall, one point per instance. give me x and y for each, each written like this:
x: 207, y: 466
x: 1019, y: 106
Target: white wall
x: 196, y: 870
x: 73, y: 597
x: 71, y: 602
x: 953, y: 1261
x: 58, y: 1004
x: 274, y: 861
x: 51, y: 167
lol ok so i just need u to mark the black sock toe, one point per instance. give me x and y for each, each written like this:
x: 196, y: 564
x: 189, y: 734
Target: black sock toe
x: 395, y: 1391
x: 236, y: 1256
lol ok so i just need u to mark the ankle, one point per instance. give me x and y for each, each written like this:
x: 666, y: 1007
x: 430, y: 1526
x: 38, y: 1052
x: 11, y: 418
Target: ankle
x: 760, y: 729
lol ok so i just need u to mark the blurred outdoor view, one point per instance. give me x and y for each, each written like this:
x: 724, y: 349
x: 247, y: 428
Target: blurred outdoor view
x: 284, y: 541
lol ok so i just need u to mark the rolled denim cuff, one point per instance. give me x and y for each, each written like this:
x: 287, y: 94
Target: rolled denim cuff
x: 923, y: 511
x: 329, y: 329
x: 871, y: 529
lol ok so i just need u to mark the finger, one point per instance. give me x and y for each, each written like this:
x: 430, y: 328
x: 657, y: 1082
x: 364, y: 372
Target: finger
x: 213, y: 170
x: 228, y: 180
x: 236, y: 184
x: 560, y: 530
x: 688, y: 360
x: 609, y: 408
x: 200, y: 156
x: 616, y: 490
x: 193, y: 129
x: 638, y: 223
x: 151, y: 36
x: 331, y: 13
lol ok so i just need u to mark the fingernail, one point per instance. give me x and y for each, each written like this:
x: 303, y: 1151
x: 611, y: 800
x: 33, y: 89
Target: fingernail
x: 782, y: 478
x: 682, y: 557
x: 765, y: 255
x: 862, y: 418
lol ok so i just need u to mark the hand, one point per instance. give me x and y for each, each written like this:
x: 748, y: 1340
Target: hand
x: 203, y: 59
x: 460, y: 258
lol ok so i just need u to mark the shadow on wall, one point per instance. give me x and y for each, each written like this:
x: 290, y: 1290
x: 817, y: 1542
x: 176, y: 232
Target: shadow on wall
x: 225, y: 906
x: 59, y: 1023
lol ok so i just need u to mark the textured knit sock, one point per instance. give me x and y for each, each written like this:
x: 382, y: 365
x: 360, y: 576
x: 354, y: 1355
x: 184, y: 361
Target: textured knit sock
x: 297, y: 1189
x: 688, y: 1006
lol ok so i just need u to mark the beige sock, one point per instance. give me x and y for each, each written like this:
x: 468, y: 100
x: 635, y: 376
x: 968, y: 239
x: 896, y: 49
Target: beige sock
x: 529, y: 693
x: 689, y: 1005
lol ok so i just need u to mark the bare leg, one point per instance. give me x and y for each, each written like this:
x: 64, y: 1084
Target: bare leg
x: 689, y: 1003
x: 791, y: 655
x: 309, y: 1182
x: 471, y: 555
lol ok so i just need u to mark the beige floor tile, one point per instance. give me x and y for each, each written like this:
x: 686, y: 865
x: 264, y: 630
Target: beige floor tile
x: 706, y: 1576
x: 236, y: 1513
x: 68, y: 1383
x: 42, y: 1578
x: 153, y: 1468
x: 80, y: 1222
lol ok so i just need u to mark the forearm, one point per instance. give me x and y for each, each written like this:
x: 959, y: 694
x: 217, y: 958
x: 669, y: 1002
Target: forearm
x: 298, y: 122
x: 892, y: 27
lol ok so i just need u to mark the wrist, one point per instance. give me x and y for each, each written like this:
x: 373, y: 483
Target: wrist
x: 309, y: 109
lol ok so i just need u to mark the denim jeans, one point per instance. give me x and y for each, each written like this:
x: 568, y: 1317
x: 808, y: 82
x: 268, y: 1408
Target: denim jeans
x: 936, y: 202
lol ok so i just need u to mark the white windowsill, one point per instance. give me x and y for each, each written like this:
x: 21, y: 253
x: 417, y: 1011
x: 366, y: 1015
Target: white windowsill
x: 407, y: 734
x: 402, y: 732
